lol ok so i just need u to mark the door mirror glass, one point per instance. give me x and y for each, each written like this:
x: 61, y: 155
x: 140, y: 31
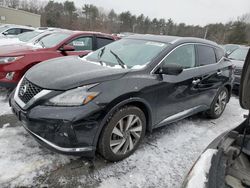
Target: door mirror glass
x: 67, y: 48
x: 170, y: 69
x: 245, y: 84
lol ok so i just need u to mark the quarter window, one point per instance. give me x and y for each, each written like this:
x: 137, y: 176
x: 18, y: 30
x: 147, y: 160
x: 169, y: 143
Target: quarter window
x: 183, y: 56
x: 82, y: 43
x: 206, y: 55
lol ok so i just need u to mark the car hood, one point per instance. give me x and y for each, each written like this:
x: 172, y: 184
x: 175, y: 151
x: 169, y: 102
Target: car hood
x: 70, y: 72
x: 237, y: 63
x: 17, y: 49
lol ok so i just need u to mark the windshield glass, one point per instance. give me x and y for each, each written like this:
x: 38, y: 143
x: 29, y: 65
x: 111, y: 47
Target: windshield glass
x: 53, y: 39
x: 239, y: 54
x: 131, y: 53
x: 25, y: 37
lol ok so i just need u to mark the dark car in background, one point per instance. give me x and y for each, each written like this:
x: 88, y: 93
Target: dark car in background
x: 238, y: 57
x: 226, y: 161
x: 107, y: 100
x: 15, y: 60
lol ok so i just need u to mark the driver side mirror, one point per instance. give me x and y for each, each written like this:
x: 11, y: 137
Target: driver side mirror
x: 67, y: 48
x: 170, y: 69
x: 5, y: 33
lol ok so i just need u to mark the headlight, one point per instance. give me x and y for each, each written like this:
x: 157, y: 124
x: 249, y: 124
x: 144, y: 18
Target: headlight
x: 4, y: 60
x: 74, y: 97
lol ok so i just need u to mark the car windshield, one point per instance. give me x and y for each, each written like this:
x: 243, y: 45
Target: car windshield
x: 128, y: 53
x: 231, y: 47
x: 239, y: 54
x: 53, y: 39
x: 25, y: 37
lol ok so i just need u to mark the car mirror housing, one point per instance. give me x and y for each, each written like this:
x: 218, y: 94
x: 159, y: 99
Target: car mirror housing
x: 245, y: 84
x: 67, y: 47
x: 170, y: 69
x: 5, y: 33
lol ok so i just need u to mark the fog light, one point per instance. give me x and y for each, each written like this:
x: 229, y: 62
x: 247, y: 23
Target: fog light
x: 10, y: 75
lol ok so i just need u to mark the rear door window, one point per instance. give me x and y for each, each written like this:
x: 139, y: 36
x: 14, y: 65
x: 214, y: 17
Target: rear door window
x: 103, y: 41
x: 206, y: 55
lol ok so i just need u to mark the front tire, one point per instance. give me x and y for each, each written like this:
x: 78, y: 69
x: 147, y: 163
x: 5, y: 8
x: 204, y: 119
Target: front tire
x: 219, y: 104
x: 122, y: 134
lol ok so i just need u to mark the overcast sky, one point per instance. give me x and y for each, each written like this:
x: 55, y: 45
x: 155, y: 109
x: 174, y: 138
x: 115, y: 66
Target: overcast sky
x: 197, y: 12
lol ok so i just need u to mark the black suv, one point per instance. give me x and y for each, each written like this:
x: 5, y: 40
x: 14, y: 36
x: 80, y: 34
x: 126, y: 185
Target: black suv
x: 110, y: 98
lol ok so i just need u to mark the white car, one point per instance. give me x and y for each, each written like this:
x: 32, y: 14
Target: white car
x: 27, y: 37
x: 10, y: 30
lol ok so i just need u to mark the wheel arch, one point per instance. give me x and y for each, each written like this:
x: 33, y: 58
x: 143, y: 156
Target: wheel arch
x: 131, y: 101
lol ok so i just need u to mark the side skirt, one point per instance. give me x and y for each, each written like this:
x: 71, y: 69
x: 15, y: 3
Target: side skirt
x: 182, y: 115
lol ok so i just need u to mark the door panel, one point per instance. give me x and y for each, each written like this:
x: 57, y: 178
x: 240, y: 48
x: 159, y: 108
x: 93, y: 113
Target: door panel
x: 177, y: 93
x: 214, y: 74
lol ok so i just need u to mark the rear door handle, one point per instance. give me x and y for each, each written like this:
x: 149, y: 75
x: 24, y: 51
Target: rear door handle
x: 219, y: 72
x: 196, y: 81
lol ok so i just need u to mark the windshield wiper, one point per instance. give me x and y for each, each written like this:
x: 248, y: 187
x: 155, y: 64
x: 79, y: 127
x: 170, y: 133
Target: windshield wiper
x: 120, y: 62
x: 100, y: 54
x: 42, y: 44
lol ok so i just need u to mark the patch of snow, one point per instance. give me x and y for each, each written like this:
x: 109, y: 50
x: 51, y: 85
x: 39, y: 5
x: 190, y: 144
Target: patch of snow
x: 139, y: 66
x: 10, y: 41
x: 4, y: 105
x: 36, y: 45
x: 6, y: 125
x: 166, y: 156
x: 198, y: 175
x: 22, y: 159
x: 162, y: 160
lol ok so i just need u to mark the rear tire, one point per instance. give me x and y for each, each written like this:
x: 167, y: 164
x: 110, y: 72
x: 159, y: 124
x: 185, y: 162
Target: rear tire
x: 122, y: 134
x: 219, y: 104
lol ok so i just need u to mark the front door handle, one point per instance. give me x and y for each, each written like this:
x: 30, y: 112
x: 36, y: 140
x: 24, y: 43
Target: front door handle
x: 219, y: 72
x: 196, y: 81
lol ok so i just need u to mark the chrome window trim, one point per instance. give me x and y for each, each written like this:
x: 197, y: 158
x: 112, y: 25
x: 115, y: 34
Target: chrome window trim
x: 154, y: 69
x: 24, y: 106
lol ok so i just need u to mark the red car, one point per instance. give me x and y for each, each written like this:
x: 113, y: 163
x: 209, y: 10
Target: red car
x: 15, y: 60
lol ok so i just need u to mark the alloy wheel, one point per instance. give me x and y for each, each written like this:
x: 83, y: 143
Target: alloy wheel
x: 220, y: 103
x: 126, y: 134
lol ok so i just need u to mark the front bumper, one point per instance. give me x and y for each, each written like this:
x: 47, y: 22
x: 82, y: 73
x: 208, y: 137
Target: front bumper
x: 66, y: 130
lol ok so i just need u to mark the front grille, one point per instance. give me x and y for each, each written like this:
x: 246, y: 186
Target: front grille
x: 28, y: 90
x: 238, y: 71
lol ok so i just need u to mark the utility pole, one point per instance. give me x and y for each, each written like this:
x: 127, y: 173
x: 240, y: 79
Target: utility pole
x: 205, y: 36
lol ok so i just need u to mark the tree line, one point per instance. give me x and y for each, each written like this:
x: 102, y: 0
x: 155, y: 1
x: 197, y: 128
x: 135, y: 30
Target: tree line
x: 90, y: 17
